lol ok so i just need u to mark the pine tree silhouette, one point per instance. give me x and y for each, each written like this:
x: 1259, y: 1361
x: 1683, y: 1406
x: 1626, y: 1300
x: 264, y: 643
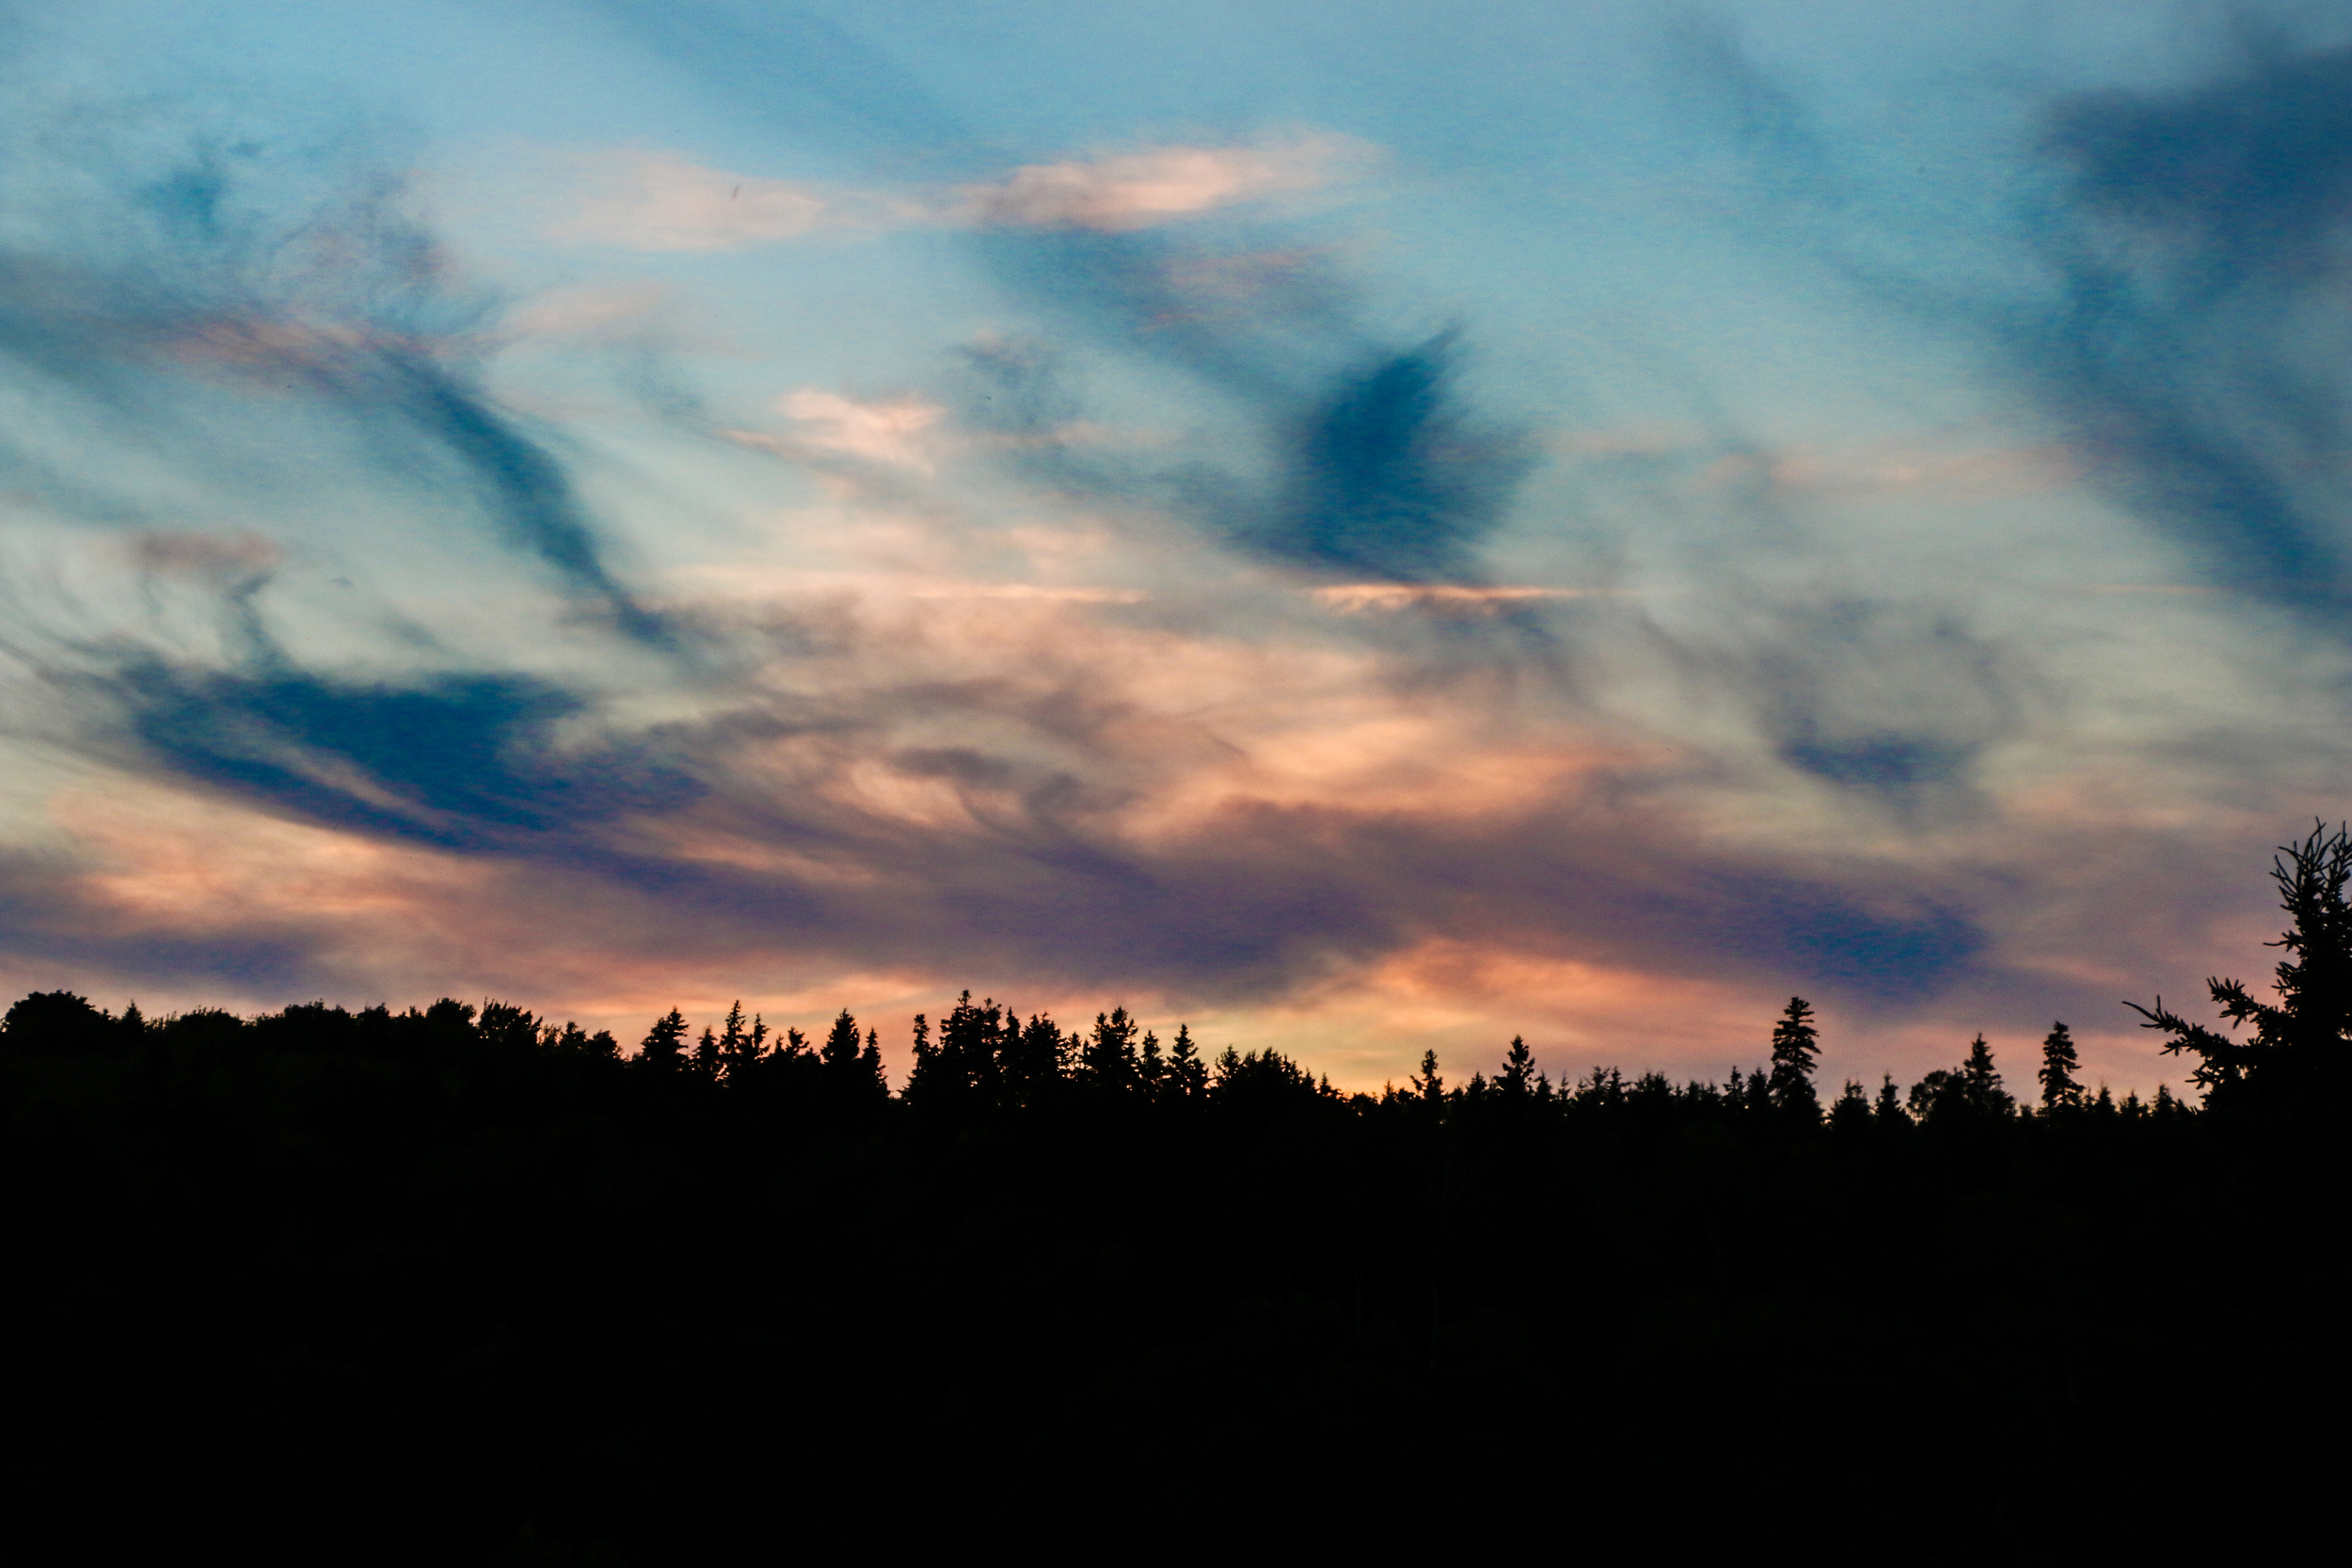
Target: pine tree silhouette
x: 1982, y: 1082
x: 1150, y: 1067
x: 2059, y: 1088
x: 1889, y: 1107
x: 1795, y: 1044
x: 2302, y: 1047
x: 1851, y: 1112
x: 1426, y: 1083
x: 662, y: 1047
x: 1518, y: 1078
x: 839, y: 1052
x: 1188, y: 1075
x: 740, y: 1046
x: 1108, y: 1058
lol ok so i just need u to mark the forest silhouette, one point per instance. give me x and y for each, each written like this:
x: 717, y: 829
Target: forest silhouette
x: 464, y: 1285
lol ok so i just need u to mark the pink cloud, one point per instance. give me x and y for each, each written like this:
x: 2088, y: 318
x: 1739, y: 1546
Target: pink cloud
x: 643, y: 199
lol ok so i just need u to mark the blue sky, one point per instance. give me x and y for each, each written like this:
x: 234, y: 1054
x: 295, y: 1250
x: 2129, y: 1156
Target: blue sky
x: 1359, y: 528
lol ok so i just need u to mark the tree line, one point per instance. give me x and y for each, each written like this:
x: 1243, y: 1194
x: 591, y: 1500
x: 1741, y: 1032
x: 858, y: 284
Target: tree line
x: 466, y: 1284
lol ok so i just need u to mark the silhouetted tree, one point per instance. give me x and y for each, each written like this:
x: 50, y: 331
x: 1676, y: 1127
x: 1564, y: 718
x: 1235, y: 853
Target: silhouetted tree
x: 1795, y: 1043
x: 1518, y: 1078
x: 662, y: 1047
x: 1107, y: 1059
x: 1889, y: 1108
x: 57, y: 1019
x: 2300, y: 1046
x: 1427, y: 1085
x: 1982, y: 1082
x: 1150, y: 1066
x: 1033, y: 1058
x: 926, y: 1083
x: 1940, y: 1095
x: 839, y: 1052
x: 740, y: 1046
x: 1188, y: 1074
x: 2060, y: 1089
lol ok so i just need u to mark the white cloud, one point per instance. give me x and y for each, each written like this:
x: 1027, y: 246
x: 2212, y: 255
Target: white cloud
x: 644, y: 200
x: 648, y: 200
x: 898, y: 433
x: 1135, y: 190
x: 1355, y: 598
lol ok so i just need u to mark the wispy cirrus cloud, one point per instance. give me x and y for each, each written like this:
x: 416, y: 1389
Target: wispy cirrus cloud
x: 1139, y: 190
x: 643, y: 199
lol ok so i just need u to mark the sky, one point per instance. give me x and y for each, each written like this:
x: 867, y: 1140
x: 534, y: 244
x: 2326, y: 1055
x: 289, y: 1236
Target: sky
x: 1365, y: 527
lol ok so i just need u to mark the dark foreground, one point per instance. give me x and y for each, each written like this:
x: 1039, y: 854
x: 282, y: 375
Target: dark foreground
x: 433, y: 1288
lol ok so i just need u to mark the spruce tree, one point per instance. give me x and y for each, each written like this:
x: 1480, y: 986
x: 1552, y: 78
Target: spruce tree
x: 1108, y: 1056
x: 663, y: 1043
x: 971, y: 1039
x: 2059, y: 1088
x: 1795, y: 1044
x: 1032, y: 1059
x: 1150, y: 1067
x: 927, y: 1085
x: 839, y: 1052
x: 1188, y: 1075
x: 2301, y: 1050
x: 1889, y: 1109
x: 1518, y: 1078
x: 740, y: 1047
x: 1426, y: 1083
x: 1982, y: 1082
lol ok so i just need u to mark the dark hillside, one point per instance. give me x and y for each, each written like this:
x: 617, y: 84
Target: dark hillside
x: 439, y: 1286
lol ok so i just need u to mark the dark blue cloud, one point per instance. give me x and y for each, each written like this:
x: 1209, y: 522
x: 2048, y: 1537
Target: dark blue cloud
x: 465, y: 763
x: 1388, y: 479
x: 2187, y: 248
x: 2199, y: 347
x: 1362, y: 458
x: 145, y: 269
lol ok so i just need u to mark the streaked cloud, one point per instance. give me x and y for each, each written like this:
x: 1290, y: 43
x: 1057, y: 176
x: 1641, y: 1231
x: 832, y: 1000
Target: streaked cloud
x: 1119, y: 192
x: 644, y: 199
x: 900, y: 432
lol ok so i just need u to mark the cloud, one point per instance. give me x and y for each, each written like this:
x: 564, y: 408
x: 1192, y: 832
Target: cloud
x: 1355, y: 598
x: 1138, y: 190
x: 638, y: 198
x: 2200, y: 344
x: 160, y: 280
x: 1371, y: 462
x: 1387, y: 476
x: 463, y: 762
x: 648, y: 200
x: 898, y: 433
x: 2161, y: 268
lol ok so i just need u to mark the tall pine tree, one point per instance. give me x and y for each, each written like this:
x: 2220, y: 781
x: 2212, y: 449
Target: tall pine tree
x: 2301, y: 1051
x: 1795, y: 1043
x: 2059, y: 1088
x: 1981, y: 1082
x: 664, y: 1044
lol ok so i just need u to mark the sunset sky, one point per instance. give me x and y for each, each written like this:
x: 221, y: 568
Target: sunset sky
x: 1364, y: 527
